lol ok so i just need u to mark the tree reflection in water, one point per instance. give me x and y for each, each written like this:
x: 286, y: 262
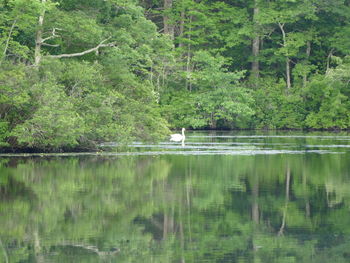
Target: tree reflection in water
x: 173, y: 208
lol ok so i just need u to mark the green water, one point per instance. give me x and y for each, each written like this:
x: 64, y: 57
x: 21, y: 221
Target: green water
x: 220, y: 197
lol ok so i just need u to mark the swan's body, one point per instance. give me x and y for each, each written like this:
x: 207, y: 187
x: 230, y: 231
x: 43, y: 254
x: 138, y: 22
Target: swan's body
x: 178, y: 137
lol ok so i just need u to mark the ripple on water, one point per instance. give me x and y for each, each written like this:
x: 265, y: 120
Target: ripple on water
x: 214, y: 145
x: 178, y: 152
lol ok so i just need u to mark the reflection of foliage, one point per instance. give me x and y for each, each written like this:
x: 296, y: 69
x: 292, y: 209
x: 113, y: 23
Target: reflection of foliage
x: 196, y: 209
x: 72, y: 201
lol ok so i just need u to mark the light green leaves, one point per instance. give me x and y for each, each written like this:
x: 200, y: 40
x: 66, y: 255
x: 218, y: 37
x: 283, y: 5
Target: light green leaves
x: 54, y: 122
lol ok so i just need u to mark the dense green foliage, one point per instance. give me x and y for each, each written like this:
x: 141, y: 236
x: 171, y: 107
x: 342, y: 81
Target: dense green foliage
x: 75, y: 102
x: 74, y: 72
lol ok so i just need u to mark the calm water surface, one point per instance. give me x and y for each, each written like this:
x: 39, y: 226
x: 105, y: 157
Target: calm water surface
x: 220, y: 197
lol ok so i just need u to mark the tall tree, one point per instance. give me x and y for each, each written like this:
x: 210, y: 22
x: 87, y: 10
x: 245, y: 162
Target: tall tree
x: 285, y: 16
x: 255, y: 43
x: 40, y: 41
x: 168, y: 24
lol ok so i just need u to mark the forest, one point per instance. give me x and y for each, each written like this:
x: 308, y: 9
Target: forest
x: 74, y: 73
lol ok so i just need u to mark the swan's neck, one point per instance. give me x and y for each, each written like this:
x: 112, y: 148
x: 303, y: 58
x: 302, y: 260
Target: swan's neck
x: 183, y: 133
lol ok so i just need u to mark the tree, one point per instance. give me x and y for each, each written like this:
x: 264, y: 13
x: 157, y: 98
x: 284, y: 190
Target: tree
x: 282, y: 14
x: 255, y: 42
x: 217, y: 99
x: 40, y: 41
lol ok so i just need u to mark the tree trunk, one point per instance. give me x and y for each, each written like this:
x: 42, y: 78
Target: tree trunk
x: 255, y: 45
x: 168, y: 27
x: 165, y: 225
x: 182, y: 27
x: 9, y: 37
x: 308, y: 52
x: 188, y: 63
x: 39, y: 36
x: 288, y: 75
x: 37, y: 248
x: 330, y: 54
x: 212, y: 121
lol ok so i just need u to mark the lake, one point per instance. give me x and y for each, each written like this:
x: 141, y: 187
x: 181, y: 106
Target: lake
x: 220, y: 197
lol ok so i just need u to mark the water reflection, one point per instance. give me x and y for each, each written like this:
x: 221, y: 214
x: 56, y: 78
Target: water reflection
x: 178, y: 208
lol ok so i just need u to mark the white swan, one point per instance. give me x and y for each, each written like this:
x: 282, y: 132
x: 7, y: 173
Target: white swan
x: 178, y: 137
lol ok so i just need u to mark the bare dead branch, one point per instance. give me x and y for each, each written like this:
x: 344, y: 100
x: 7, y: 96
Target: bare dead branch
x: 50, y: 45
x: 48, y: 38
x: 53, y: 35
x: 112, y: 44
x: 281, y: 25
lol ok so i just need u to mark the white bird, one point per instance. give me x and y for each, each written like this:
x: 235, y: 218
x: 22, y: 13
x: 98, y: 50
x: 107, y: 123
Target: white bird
x: 178, y: 137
